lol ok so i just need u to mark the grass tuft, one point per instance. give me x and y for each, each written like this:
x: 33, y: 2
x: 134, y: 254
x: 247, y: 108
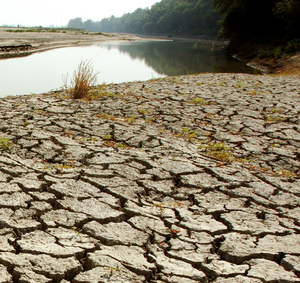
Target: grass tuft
x: 83, y: 80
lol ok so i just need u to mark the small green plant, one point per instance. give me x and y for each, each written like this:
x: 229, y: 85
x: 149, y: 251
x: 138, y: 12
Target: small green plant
x: 286, y: 173
x: 106, y: 117
x: 186, y: 133
x: 112, y: 270
x: 107, y: 137
x: 131, y: 119
x: 142, y: 111
x: 240, y: 84
x: 214, y: 147
x: 159, y: 206
x: 122, y: 146
x: 62, y: 167
x: 200, y: 101
x: 94, y: 139
x: 278, y: 52
x: 150, y: 120
x: 218, y: 151
x: 99, y: 92
x: 81, y: 139
x: 5, y: 143
x: 269, y: 119
x: 46, y: 166
x: 208, y: 134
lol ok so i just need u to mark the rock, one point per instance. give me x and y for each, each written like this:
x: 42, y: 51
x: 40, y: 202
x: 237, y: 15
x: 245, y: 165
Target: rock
x: 173, y: 267
x: 250, y: 223
x: 63, y: 218
x: 270, y: 271
x: 93, y: 208
x: 116, y: 233
x: 5, y: 277
x: 106, y: 274
x: 217, y: 268
x: 238, y: 279
x: 39, y: 242
x: 292, y: 263
x: 131, y: 257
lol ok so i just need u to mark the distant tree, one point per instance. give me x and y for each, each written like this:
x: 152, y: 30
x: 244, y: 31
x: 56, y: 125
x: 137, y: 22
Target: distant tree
x: 89, y: 25
x: 165, y: 17
x: 75, y: 23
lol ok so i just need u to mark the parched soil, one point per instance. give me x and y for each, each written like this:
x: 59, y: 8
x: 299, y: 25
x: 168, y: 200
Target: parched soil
x: 179, y: 180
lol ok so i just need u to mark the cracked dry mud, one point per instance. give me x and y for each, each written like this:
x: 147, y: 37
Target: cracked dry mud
x: 183, y: 179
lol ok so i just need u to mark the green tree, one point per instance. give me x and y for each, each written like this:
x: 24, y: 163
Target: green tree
x: 289, y: 11
x: 194, y: 17
x: 263, y: 21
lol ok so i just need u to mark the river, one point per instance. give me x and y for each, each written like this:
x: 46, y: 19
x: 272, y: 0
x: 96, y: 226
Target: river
x: 117, y: 61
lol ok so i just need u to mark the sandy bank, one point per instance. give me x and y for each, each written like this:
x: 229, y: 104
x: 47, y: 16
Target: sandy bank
x: 15, y: 43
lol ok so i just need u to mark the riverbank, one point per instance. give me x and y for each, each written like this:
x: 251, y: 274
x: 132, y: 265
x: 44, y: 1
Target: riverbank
x: 23, y: 41
x: 16, y: 42
x: 267, y: 59
x: 181, y: 179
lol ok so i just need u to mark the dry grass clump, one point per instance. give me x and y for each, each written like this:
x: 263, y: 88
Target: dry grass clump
x: 83, y: 80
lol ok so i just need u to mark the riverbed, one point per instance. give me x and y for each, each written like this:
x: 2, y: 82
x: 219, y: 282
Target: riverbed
x: 179, y: 179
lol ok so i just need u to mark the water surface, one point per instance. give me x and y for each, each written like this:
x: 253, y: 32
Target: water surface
x: 116, y: 61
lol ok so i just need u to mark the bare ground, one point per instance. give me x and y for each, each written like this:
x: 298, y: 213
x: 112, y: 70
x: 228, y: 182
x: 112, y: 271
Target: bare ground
x: 22, y: 42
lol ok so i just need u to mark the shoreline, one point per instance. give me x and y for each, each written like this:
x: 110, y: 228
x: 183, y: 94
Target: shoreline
x: 43, y: 41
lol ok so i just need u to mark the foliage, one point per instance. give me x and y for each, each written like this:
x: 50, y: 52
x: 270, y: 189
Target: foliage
x: 218, y: 151
x: 289, y: 11
x: 83, y: 80
x: 186, y: 133
x: 165, y: 17
x: 272, y: 22
x: 39, y: 29
x: 197, y: 100
x: 107, y: 137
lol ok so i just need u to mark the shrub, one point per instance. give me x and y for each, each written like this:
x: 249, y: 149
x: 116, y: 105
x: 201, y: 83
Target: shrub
x: 83, y: 80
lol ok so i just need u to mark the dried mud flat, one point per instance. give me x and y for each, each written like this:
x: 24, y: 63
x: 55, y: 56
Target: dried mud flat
x: 183, y: 179
x: 13, y: 43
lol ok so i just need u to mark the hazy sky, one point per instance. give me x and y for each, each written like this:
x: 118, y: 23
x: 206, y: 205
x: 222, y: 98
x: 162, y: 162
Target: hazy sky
x: 59, y: 12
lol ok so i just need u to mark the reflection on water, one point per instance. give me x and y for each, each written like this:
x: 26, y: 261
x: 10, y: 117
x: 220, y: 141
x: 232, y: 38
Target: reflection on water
x: 174, y: 58
x: 116, y: 61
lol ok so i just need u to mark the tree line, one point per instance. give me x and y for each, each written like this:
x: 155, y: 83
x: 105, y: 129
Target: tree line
x: 182, y: 17
x: 275, y: 23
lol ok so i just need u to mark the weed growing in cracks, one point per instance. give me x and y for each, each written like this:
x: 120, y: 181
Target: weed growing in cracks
x: 218, y: 151
x: 5, y: 143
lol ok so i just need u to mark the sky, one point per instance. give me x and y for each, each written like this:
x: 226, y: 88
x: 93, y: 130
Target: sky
x: 59, y: 12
